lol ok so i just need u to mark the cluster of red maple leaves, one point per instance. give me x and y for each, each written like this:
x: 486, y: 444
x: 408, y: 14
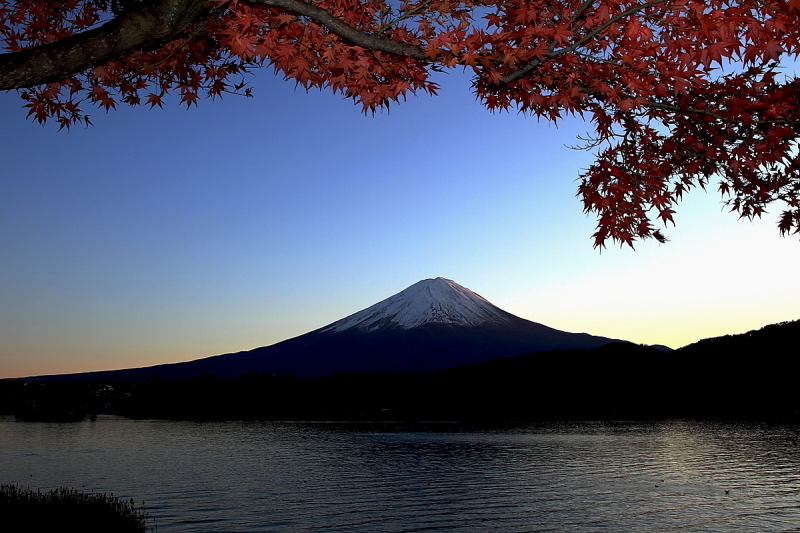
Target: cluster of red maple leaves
x: 680, y: 92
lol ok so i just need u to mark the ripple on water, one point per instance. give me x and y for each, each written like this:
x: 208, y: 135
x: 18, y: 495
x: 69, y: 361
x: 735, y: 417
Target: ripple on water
x: 215, y: 477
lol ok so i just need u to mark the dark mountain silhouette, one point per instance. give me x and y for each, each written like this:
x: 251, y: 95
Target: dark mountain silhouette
x: 747, y: 376
x: 779, y: 339
x: 430, y: 326
x: 744, y: 369
x: 662, y: 348
x: 744, y: 376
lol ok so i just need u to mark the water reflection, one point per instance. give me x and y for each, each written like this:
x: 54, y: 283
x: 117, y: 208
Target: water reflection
x: 313, y: 477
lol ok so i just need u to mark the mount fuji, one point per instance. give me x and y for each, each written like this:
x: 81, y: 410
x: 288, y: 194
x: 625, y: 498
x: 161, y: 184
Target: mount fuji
x: 432, y: 325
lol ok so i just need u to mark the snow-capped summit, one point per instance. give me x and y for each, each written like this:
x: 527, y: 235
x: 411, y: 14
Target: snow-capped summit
x: 440, y: 301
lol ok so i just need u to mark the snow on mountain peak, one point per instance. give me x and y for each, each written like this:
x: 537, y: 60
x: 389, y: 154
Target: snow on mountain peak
x: 437, y: 300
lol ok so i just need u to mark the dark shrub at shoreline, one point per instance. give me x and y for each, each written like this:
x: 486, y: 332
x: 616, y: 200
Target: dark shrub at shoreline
x: 23, y: 510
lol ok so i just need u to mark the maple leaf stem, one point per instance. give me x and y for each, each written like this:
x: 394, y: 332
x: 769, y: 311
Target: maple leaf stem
x: 378, y: 59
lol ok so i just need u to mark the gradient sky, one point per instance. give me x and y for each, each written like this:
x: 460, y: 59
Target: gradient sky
x: 169, y: 235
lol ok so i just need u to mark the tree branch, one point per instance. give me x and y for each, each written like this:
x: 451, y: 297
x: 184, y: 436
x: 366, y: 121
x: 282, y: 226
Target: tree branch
x: 344, y: 30
x: 586, y: 5
x: 405, y: 15
x: 551, y: 52
x: 147, y: 27
x: 678, y: 109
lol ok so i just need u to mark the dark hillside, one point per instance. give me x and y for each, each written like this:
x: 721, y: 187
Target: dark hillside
x: 746, y: 376
x: 618, y: 381
x: 775, y: 340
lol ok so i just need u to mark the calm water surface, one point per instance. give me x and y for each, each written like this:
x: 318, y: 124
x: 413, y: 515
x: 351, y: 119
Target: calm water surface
x: 233, y: 476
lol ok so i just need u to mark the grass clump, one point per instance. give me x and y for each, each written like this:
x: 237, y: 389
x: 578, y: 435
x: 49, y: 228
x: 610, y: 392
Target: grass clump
x: 23, y: 510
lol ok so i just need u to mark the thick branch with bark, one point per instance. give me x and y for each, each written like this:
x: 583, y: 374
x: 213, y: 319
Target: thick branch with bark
x: 148, y: 27
x: 342, y: 29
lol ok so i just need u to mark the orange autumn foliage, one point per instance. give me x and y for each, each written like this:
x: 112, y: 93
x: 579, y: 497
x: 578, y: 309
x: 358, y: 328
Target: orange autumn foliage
x: 681, y: 93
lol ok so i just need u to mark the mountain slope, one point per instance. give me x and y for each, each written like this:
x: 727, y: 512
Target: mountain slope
x: 430, y: 326
x: 780, y: 338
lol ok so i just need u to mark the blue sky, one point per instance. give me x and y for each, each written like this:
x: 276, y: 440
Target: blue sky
x: 168, y: 235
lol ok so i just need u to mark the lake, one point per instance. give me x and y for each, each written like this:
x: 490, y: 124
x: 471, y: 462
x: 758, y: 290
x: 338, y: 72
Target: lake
x: 292, y: 477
